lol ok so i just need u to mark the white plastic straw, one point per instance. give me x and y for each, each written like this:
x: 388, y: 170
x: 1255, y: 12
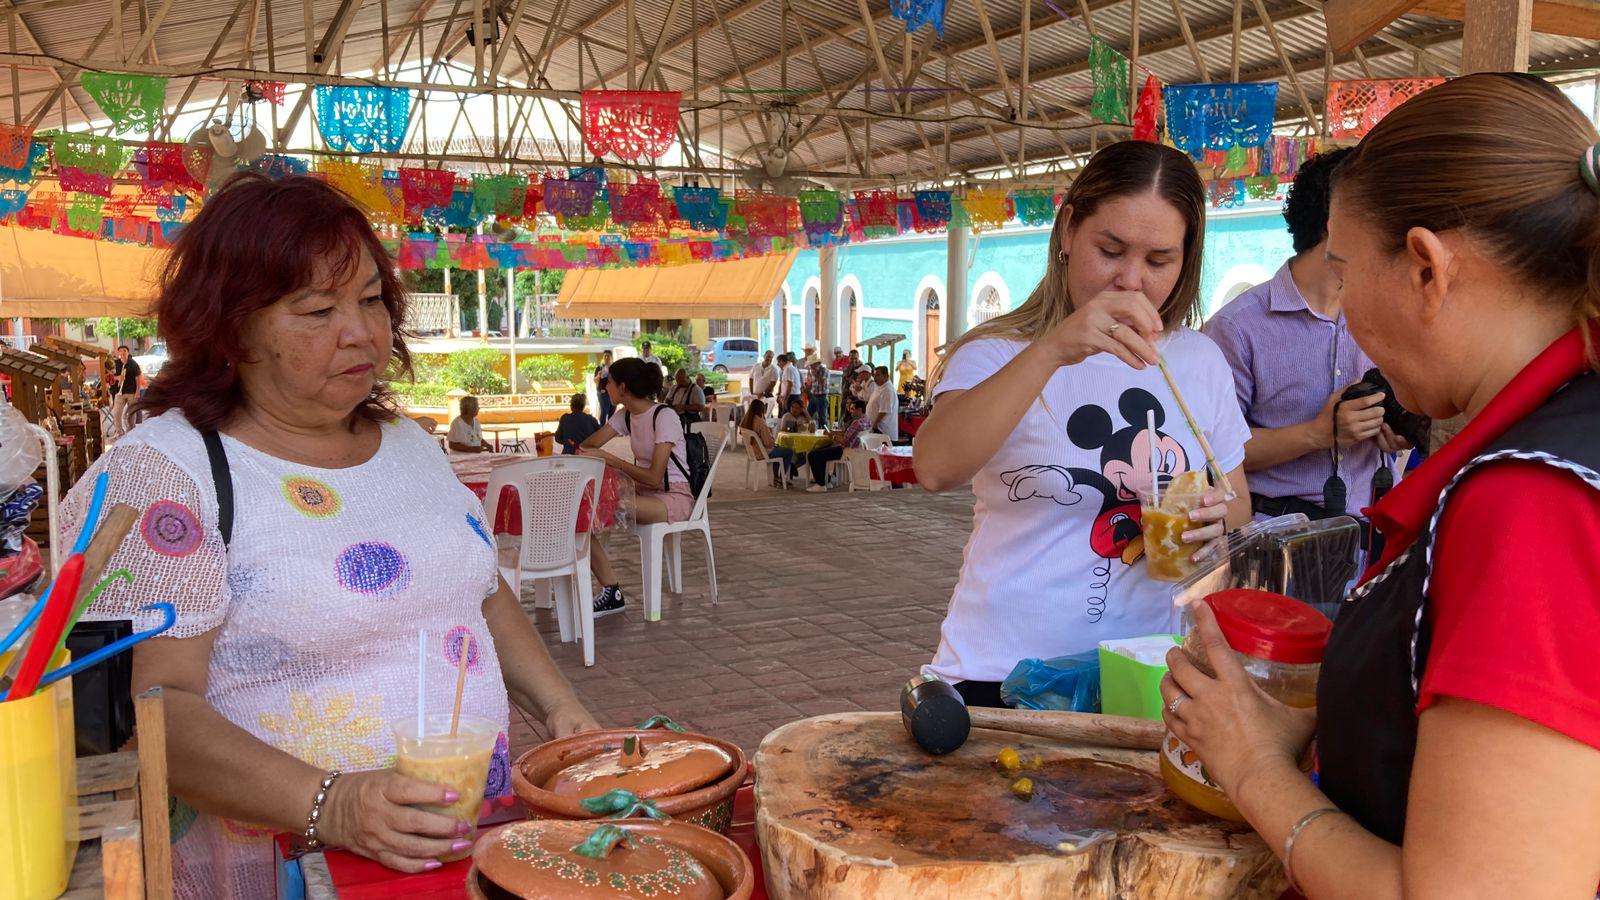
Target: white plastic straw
x: 422, y: 678
x: 1155, y: 458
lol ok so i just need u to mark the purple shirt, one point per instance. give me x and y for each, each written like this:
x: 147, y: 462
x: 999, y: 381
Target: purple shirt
x: 1287, y: 361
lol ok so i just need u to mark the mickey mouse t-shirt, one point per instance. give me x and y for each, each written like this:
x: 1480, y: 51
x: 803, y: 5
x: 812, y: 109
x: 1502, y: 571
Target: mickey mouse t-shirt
x: 1052, y: 567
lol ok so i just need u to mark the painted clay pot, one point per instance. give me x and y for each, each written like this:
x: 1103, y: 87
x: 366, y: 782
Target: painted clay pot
x: 690, y: 777
x: 536, y: 860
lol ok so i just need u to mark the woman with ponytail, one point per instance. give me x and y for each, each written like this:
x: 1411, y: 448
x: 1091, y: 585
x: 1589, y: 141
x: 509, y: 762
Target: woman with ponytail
x: 1458, y: 718
x: 1048, y: 412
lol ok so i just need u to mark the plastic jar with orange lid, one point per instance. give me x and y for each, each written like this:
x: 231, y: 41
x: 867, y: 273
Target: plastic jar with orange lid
x: 1280, y: 642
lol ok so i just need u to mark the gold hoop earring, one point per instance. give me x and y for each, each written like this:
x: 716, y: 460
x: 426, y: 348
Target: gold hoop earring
x: 1061, y: 257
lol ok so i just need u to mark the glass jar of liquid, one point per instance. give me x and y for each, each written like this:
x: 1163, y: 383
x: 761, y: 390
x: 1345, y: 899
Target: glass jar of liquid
x: 1280, y: 642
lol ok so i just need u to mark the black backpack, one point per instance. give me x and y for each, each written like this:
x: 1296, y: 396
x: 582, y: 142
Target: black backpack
x: 694, y: 445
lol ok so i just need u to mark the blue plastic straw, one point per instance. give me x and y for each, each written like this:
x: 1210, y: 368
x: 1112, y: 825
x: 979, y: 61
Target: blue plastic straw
x: 170, y: 616
x: 85, y: 534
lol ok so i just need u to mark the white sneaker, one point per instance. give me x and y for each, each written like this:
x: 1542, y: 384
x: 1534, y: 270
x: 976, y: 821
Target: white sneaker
x: 817, y: 489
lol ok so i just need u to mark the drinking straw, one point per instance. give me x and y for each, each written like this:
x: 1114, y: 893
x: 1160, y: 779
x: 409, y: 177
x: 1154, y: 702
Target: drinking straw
x: 85, y: 532
x: 45, y: 637
x: 461, y: 682
x: 1155, y: 458
x: 1199, y: 435
x: 422, y: 679
x: 169, y: 618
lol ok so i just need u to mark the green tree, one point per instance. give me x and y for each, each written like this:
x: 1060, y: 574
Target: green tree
x: 474, y: 371
x: 547, y: 367
x: 128, y: 329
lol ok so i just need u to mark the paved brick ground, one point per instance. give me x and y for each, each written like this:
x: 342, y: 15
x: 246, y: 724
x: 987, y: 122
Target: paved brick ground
x: 828, y: 602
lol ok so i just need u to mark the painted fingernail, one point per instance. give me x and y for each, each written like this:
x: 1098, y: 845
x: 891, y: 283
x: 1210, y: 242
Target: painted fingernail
x: 459, y: 846
x: 451, y: 796
x: 462, y: 827
x: 431, y: 864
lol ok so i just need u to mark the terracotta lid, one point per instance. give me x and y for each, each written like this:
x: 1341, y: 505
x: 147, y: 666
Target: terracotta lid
x: 539, y: 860
x: 648, y: 766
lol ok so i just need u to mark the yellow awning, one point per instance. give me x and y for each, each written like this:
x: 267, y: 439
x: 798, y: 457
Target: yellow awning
x: 730, y: 289
x: 49, y: 275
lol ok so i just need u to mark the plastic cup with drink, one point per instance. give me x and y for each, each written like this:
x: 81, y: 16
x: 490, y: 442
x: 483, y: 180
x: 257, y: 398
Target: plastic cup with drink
x: 1164, y: 517
x: 459, y: 761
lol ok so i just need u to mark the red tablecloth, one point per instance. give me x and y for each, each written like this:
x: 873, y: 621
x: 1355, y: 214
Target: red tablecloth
x: 909, y: 424
x: 897, y: 468
x: 473, y: 471
x: 357, y: 878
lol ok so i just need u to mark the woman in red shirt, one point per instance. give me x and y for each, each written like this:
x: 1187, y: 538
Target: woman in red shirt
x: 1458, y: 715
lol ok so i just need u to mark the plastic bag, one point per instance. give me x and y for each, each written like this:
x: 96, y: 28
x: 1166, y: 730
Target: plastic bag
x: 1066, y: 682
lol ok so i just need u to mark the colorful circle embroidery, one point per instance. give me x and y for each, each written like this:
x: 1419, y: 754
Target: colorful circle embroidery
x: 479, y: 530
x: 499, y: 769
x: 311, y: 497
x: 373, y: 568
x: 170, y: 528
x: 453, y: 639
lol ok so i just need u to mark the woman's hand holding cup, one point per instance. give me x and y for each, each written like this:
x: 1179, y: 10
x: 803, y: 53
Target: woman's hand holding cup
x: 373, y: 814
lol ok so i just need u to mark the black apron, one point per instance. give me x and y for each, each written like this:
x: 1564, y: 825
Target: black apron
x: 1368, y: 690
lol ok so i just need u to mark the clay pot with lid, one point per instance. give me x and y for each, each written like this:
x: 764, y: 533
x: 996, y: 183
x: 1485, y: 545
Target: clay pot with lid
x: 553, y: 859
x: 689, y: 777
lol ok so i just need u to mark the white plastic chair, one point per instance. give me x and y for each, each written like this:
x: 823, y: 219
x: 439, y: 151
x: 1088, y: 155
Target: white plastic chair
x: 754, y: 459
x: 871, y: 440
x: 862, y: 462
x: 660, y: 539
x: 551, y: 490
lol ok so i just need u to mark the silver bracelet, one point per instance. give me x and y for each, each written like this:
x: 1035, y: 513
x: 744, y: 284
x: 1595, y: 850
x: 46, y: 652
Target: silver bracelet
x: 1294, y: 834
x: 1288, y: 843
x: 313, y: 841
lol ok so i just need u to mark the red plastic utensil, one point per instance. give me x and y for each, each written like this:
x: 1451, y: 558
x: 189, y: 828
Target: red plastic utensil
x: 47, y: 634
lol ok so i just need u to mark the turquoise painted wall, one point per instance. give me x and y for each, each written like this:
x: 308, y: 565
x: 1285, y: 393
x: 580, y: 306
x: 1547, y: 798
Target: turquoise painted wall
x: 890, y: 270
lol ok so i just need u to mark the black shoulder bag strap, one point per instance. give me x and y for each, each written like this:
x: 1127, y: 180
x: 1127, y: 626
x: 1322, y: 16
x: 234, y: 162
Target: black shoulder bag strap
x: 222, y: 480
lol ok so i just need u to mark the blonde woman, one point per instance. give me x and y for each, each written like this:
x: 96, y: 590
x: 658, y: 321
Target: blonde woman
x: 1045, y: 410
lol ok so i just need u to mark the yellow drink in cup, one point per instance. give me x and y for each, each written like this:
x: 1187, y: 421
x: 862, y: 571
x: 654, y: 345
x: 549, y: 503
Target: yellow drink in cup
x: 1167, y: 555
x: 459, y: 762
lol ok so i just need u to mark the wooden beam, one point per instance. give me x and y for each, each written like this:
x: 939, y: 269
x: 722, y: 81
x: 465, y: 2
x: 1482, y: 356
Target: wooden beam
x: 1238, y: 35
x: 211, y: 56
x: 699, y: 31
x: 1283, y: 60
x: 654, y: 64
x: 1573, y: 18
x: 331, y: 38
x: 504, y: 49
x: 994, y: 51
x: 1495, y: 37
x: 1188, y: 40
x: 1351, y: 22
x: 64, y: 80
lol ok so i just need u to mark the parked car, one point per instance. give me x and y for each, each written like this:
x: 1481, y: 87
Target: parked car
x: 150, y: 363
x: 723, y: 354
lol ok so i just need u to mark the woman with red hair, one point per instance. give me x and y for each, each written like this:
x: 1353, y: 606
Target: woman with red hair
x: 305, y: 532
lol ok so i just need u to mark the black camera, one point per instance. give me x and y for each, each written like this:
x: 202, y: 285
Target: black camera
x: 1408, y: 425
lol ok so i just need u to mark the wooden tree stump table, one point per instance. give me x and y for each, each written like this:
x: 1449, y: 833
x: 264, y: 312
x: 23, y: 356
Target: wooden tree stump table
x: 847, y: 806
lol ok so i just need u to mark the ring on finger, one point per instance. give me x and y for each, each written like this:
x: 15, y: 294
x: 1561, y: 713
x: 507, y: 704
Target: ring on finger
x: 1177, y: 702
x: 1113, y: 328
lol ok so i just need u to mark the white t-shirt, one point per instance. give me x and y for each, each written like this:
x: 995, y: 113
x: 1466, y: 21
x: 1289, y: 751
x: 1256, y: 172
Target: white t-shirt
x: 643, y: 437
x: 884, y: 400
x: 1042, y: 574
x: 762, y: 378
x: 788, y: 381
x: 468, y: 434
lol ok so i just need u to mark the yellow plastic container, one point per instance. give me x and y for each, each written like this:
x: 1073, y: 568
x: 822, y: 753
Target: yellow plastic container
x: 38, y: 791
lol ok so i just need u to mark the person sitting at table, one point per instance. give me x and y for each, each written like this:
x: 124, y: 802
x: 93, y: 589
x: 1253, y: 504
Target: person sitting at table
x: 843, y: 439
x: 686, y: 398
x: 796, y: 418
x: 575, y: 427
x: 755, y: 421
x: 659, y: 468
x: 268, y: 479
x: 709, y: 392
x: 466, y: 432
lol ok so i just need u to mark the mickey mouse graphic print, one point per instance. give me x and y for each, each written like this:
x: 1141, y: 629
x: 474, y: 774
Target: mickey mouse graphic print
x: 1055, y: 562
